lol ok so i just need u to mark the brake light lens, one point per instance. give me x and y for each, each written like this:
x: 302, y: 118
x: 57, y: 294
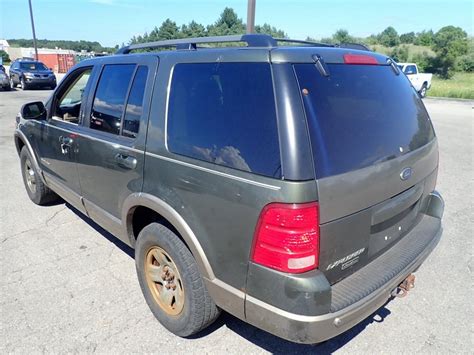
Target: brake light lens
x: 360, y: 59
x: 287, y: 237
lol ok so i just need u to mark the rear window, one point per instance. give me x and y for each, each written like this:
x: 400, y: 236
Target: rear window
x: 224, y: 113
x: 360, y: 115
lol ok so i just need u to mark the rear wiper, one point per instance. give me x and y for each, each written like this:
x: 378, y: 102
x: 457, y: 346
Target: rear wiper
x: 321, y: 65
x: 394, y: 66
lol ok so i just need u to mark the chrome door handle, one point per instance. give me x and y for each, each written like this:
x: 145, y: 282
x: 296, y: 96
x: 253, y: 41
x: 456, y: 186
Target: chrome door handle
x: 126, y: 161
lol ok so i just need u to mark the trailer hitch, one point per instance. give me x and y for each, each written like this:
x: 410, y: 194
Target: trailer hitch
x: 402, y: 290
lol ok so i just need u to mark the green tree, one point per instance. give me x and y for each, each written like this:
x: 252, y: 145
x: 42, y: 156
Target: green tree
x: 193, y: 29
x: 5, y: 57
x: 168, y: 30
x: 450, y: 42
x: 424, y: 61
x: 424, y: 38
x: 389, y: 37
x: 466, y: 62
x: 227, y: 24
x: 408, y: 37
x: 400, y: 54
x: 342, y: 36
x: 270, y: 30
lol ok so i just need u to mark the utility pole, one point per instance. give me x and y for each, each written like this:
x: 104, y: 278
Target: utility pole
x: 251, y: 16
x: 33, y: 28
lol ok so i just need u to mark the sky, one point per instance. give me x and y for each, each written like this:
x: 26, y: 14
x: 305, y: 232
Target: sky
x: 112, y: 22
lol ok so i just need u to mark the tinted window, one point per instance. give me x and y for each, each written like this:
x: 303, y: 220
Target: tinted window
x: 110, y: 97
x: 33, y: 66
x: 224, y: 113
x: 133, y: 112
x: 361, y: 115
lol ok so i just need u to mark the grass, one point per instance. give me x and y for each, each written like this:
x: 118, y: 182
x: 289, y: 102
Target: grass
x: 461, y: 86
x: 412, y: 50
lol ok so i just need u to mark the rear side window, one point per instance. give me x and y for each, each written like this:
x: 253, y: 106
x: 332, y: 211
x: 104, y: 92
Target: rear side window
x: 224, y: 113
x: 134, y: 109
x: 360, y: 115
x: 110, y: 96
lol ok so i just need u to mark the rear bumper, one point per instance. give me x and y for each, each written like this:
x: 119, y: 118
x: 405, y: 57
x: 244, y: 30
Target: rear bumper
x: 373, y: 283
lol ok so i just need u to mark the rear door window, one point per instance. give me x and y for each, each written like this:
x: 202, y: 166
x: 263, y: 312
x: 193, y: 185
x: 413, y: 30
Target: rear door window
x: 109, y: 101
x: 224, y: 113
x: 360, y: 115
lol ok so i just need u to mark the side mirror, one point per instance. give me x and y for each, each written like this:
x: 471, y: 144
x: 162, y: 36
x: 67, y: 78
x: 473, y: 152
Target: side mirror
x: 33, y: 111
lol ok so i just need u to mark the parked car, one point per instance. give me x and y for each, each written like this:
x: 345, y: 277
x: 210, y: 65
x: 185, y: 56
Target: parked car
x: 4, y: 81
x: 420, y: 81
x: 291, y: 186
x: 31, y: 73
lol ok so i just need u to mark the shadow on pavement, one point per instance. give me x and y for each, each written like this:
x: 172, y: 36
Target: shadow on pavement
x: 258, y: 337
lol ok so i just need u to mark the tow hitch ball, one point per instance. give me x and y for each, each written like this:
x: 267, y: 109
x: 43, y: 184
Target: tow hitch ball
x: 406, y: 285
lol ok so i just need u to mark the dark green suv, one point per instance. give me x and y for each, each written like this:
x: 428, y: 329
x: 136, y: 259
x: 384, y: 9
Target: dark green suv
x: 292, y: 185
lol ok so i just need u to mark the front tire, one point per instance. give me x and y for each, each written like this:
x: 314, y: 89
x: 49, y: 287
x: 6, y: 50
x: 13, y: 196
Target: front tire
x: 23, y: 84
x: 37, y: 191
x: 170, y: 281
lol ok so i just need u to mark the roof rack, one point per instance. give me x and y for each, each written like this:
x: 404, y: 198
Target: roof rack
x: 252, y: 40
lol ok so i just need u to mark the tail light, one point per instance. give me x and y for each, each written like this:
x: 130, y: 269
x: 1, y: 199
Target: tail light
x: 287, y: 237
x: 360, y: 59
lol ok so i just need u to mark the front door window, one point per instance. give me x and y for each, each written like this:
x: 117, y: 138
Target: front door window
x: 68, y: 104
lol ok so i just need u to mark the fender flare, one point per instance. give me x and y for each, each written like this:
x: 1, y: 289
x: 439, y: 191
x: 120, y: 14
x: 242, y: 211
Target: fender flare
x: 19, y: 135
x: 172, y: 216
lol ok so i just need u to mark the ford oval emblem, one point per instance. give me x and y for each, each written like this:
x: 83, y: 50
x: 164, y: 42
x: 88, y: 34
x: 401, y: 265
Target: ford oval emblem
x: 406, y: 174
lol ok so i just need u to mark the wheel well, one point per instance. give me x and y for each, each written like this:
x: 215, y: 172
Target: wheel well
x: 19, y: 144
x: 143, y: 216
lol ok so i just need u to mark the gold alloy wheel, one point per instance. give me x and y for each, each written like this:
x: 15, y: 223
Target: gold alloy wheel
x: 30, y: 176
x: 164, y: 281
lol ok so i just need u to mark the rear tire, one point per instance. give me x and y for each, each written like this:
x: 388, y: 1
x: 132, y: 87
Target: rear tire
x: 170, y: 281
x: 12, y: 84
x: 423, y: 90
x: 37, y: 191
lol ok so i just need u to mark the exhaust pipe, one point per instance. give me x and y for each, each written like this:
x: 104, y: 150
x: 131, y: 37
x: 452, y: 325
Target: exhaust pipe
x: 402, y: 290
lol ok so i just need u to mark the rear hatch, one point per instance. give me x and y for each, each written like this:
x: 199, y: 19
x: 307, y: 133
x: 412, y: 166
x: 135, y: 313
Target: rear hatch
x: 375, y: 157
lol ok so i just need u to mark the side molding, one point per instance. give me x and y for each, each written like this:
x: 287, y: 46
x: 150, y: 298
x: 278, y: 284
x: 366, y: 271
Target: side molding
x: 146, y: 200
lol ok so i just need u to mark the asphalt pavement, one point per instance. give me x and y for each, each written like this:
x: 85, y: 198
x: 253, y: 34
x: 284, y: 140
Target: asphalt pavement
x: 68, y: 286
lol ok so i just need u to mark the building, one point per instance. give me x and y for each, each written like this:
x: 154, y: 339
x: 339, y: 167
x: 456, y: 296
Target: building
x: 4, y: 45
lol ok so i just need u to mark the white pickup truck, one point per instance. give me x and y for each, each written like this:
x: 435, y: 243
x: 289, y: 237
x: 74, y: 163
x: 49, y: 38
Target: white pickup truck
x: 420, y: 81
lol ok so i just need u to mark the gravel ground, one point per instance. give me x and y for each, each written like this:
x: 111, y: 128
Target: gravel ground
x: 67, y: 286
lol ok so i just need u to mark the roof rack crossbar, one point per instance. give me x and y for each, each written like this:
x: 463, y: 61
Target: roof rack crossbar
x: 358, y: 46
x: 252, y: 40
x: 309, y: 43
